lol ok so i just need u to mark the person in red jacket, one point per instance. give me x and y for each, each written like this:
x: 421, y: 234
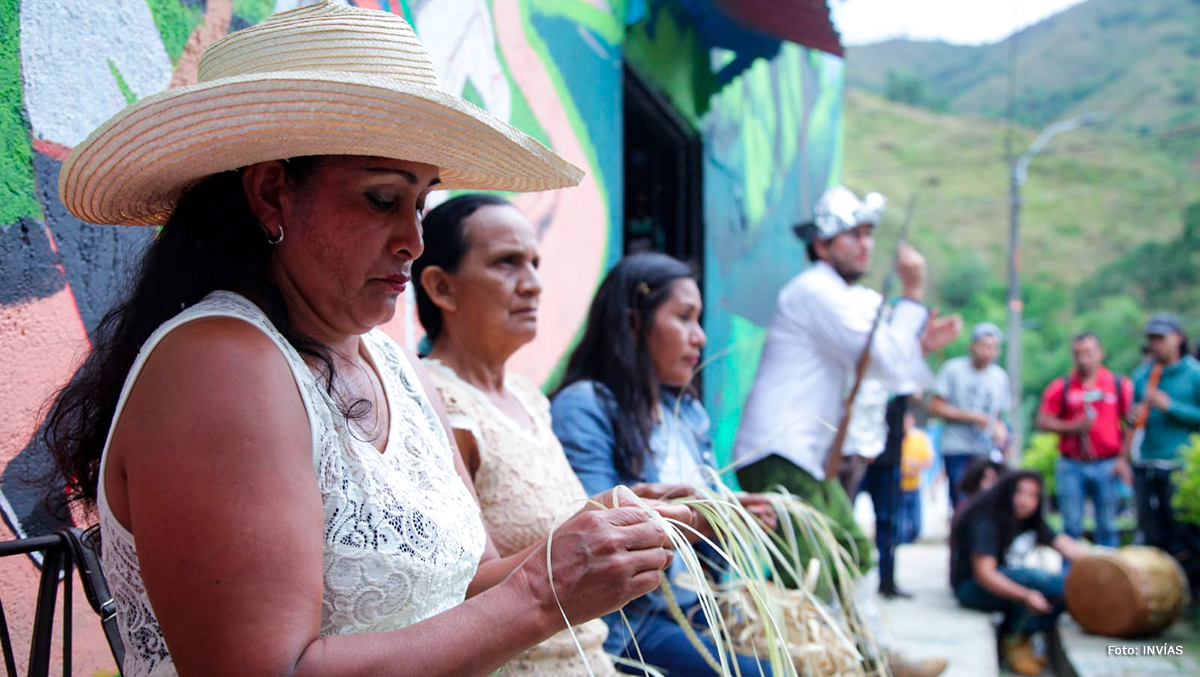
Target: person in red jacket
x: 1086, y: 408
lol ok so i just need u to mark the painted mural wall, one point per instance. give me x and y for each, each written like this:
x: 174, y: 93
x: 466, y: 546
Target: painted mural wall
x: 770, y: 123
x: 550, y: 67
x: 769, y: 115
x: 772, y: 145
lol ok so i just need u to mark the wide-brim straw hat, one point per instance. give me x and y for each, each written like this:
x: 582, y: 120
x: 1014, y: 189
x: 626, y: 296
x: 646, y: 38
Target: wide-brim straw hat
x: 324, y: 79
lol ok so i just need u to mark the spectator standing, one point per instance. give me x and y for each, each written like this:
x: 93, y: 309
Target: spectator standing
x: 882, y: 482
x: 1167, y: 391
x: 972, y: 396
x: 820, y: 328
x: 1085, y: 408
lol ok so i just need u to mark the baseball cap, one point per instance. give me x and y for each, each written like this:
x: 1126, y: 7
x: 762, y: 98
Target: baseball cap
x: 986, y: 329
x: 1162, y: 324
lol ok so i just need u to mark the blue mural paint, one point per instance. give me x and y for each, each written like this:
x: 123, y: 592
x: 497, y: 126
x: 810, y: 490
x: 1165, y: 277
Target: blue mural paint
x: 594, y: 82
x: 30, y: 267
x: 29, y: 505
x: 748, y: 260
x: 100, y: 261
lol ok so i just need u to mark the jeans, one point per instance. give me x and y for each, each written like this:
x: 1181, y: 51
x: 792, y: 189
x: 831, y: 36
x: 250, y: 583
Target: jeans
x: 665, y: 646
x: 908, y: 527
x: 1018, y: 619
x: 1156, y: 522
x: 1078, y: 481
x: 882, y: 482
x: 956, y: 464
x: 1153, y: 489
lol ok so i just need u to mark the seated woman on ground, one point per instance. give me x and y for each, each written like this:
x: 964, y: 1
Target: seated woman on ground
x: 277, y: 492
x: 980, y: 475
x: 626, y: 414
x: 1031, y: 599
x: 477, y: 297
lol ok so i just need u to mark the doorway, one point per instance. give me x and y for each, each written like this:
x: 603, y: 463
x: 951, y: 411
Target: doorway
x: 663, y: 177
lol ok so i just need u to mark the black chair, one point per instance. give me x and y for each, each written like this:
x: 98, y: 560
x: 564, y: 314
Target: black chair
x: 62, y: 553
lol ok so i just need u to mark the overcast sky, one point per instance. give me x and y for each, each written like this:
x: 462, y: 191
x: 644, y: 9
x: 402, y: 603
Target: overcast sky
x: 964, y: 22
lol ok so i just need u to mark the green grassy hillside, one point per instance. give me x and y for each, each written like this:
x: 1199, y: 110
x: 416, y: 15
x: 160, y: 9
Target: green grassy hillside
x: 1102, y: 238
x: 1137, y: 61
x: 1091, y: 195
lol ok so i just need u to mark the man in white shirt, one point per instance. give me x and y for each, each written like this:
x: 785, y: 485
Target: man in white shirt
x: 820, y: 328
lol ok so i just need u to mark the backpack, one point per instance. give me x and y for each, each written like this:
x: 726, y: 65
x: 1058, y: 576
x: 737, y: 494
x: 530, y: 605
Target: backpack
x: 1120, y: 388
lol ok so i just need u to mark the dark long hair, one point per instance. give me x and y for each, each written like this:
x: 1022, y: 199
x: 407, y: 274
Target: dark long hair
x: 445, y: 246
x: 972, y: 477
x: 212, y: 241
x: 996, y: 506
x: 613, y: 349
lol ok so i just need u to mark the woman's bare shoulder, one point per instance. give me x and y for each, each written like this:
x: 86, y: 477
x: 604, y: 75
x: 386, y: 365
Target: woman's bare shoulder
x: 216, y: 377
x: 220, y: 353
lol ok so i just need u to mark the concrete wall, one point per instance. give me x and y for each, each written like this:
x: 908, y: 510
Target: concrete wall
x: 550, y: 67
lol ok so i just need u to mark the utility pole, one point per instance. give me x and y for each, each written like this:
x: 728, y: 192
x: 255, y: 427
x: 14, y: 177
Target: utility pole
x: 1017, y: 175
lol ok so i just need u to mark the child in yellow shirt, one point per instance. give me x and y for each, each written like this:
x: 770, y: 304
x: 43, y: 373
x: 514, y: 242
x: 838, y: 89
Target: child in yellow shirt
x: 916, y: 454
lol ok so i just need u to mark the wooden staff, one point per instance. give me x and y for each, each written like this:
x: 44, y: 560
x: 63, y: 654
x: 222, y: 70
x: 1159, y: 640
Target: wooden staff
x: 833, y: 458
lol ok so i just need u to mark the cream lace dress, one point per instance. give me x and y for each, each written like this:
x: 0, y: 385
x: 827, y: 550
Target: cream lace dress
x: 402, y: 535
x: 523, y: 482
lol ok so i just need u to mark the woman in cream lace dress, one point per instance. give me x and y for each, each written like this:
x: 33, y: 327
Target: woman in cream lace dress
x: 477, y: 296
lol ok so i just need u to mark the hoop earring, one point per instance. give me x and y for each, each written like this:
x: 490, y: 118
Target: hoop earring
x: 276, y: 240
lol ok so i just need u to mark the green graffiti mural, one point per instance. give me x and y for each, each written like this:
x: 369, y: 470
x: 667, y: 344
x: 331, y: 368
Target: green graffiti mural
x: 665, y: 49
x: 16, y: 152
x: 175, y: 22
x: 772, y: 145
x: 771, y: 128
x: 253, y: 11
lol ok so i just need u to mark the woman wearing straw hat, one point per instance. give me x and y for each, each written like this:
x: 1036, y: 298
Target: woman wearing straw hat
x: 276, y: 492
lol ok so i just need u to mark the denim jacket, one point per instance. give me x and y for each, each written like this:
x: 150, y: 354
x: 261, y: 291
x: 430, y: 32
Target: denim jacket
x: 582, y: 415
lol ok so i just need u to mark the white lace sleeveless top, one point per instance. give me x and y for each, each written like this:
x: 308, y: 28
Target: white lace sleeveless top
x: 402, y: 534
x: 523, y: 482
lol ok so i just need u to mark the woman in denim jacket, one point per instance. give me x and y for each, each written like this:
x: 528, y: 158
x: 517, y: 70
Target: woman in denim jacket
x: 626, y: 414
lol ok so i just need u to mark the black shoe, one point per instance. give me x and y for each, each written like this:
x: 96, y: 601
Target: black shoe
x: 892, y: 592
